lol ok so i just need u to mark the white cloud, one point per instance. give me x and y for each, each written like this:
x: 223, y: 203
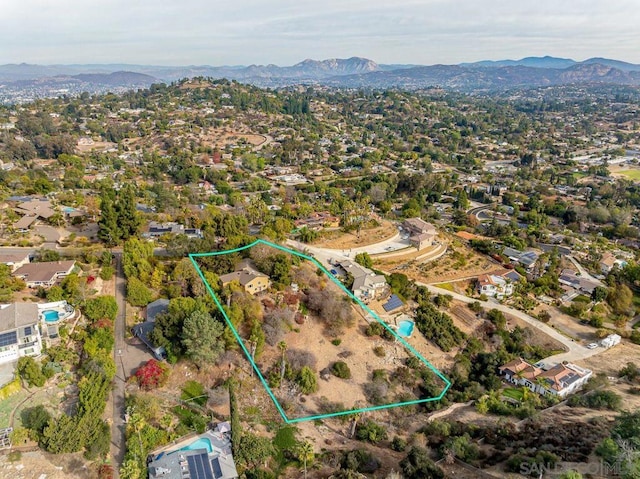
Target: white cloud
x: 286, y: 31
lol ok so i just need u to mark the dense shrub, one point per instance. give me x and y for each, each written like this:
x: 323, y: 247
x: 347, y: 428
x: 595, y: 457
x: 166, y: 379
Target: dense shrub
x: 370, y: 431
x: 341, y: 370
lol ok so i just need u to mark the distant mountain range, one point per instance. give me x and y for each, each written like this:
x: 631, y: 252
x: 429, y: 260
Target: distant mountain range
x: 350, y: 73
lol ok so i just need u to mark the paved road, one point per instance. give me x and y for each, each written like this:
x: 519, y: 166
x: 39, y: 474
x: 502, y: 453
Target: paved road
x: 574, y: 351
x: 118, y: 426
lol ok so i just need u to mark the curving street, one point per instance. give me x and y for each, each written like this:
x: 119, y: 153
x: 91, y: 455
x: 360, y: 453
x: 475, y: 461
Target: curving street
x: 574, y: 350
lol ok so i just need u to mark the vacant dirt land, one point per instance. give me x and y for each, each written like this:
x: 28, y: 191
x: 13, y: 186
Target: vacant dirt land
x: 342, y: 240
x: 459, y: 262
x: 40, y: 465
x: 220, y: 138
x: 611, y: 361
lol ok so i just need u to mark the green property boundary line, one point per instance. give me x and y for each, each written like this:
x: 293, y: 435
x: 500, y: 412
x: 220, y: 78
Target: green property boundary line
x: 288, y: 420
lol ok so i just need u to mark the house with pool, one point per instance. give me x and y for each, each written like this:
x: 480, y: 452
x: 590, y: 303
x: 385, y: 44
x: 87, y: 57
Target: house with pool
x: 19, y: 331
x: 204, y: 456
x: 52, y: 315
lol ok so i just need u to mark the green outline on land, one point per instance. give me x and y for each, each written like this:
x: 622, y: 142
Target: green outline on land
x: 192, y: 257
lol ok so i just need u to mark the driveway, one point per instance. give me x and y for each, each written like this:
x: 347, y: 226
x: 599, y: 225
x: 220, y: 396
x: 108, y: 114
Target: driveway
x: 49, y: 233
x: 583, y: 272
x: 118, y: 425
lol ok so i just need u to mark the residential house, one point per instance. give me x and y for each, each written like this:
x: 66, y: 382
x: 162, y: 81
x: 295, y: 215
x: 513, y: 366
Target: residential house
x: 318, y: 220
x: 39, y: 207
x: 366, y: 284
x: 521, y: 373
x: 422, y: 234
x: 573, y: 279
x: 609, y: 262
x: 19, y: 332
x: 527, y: 259
x: 15, y: 260
x: 143, y: 330
x: 44, y: 274
x: 214, y: 460
x: 559, y: 380
x: 157, y: 230
x: 252, y: 280
x: 495, y: 286
x: 563, y: 379
x: 24, y: 223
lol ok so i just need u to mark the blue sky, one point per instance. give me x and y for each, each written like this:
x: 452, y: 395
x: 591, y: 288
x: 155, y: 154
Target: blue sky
x: 284, y: 32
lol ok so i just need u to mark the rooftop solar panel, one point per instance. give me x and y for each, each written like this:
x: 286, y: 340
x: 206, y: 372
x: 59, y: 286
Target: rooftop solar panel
x: 199, y: 467
x: 27, y: 331
x: 7, y: 339
x: 217, y: 470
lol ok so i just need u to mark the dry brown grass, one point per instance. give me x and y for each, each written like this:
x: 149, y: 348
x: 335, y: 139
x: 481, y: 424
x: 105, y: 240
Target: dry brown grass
x: 341, y: 240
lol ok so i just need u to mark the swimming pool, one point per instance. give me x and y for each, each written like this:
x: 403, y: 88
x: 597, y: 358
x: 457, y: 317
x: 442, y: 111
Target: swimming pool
x: 405, y: 328
x: 51, y: 316
x: 202, y: 443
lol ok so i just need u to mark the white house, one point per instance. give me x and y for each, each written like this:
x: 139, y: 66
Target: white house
x: 609, y: 262
x: 19, y: 333
x: 494, y: 286
x: 366, y: 284
x: 559, y: 380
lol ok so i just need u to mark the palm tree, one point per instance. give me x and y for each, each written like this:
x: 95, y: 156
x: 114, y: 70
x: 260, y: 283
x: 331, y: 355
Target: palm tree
x: 304, y: 452
x: 282, y: 346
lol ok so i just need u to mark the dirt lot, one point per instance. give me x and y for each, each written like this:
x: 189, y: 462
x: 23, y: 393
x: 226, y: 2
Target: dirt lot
x: 613, y: 360
x: 40, y: 465
x: 220, y: 138
x: 342, y: 240
x: 459, y: 262
x: 96, y: 146
x: 567, y: 324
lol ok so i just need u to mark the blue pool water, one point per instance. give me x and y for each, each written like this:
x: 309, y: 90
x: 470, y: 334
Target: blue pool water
x: 68, y: 209
x: 405, y: 328
x: 51, y: 316
x: 202, y: 443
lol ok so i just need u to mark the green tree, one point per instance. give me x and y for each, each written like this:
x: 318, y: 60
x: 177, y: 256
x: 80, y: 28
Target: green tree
x: 108, y: 230
x: 304, y: 453
x: 128, y: 218
x: 254, y: 450
x: 36, y: 419
x: 202, y: 337
x: 30, y: 371
x: 620, y: 298
x: 418, y: 465
x: 101, y: 307
x: 364, y: 259
x: 137, y: 293
x: 371, y: 432
x: 599, y: 293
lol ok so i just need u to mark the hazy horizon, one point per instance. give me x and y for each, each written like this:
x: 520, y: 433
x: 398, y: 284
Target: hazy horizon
x: 285, y: 32
x: 238, y: 65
